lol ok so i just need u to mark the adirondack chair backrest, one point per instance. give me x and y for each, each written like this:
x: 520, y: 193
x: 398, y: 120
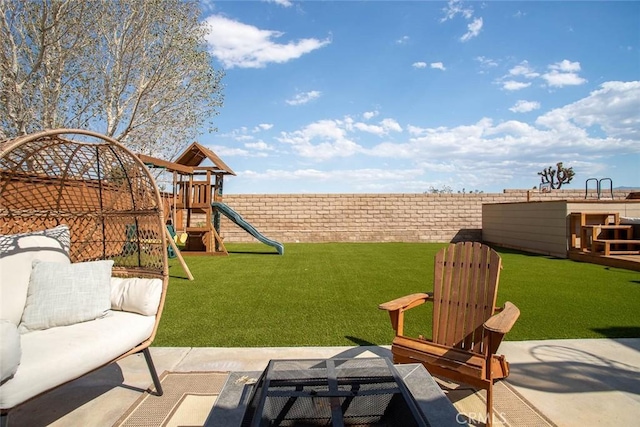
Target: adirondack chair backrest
x: 466, y: 278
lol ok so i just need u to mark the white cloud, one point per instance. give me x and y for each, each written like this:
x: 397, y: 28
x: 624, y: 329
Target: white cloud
x: 525, y: 106
x: 222, y: 151
x: 403, y: 40
x: 326, y: 139
x: 303, y: 98
x: 486, y: 62
x: 321, y: 140
x: 514, y: 85
x: 262, y: 126
x: 560, y: 74
x: 391, y: 125
x: 280, y: 174
x: 363, y: 178
x: 482, y: 141
x: 247, y: 138
x: 259, y: 145
x: 374, y: 129
x: 237, y: 134
x: 565, y: 66
x: 564, y: 73
x: 236, y: 44
x: 415, y: 130
x: 473, y: 29
x: 370, y: 114
x: 241, y: 138
x: 434, y: 65
x: 561, y: 132
x: 613, y: 107
x: 454, y: 8
x: 512, y: 128
x: 285, y: 3
x: 383, y: 128
x: 558, y: 79
x: 523, y: 69
x: 477, y: 155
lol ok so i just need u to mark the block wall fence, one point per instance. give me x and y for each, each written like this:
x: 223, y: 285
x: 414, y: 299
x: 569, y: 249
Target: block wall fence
x: 315, y: 218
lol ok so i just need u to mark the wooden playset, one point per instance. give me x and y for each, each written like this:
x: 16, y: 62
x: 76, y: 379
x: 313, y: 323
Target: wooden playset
x: 195, y: 222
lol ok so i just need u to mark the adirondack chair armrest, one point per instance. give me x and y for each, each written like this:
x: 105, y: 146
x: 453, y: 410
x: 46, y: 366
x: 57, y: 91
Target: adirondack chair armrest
x: 502, y: 322
x: 398, y: 306
x: 405, y: 303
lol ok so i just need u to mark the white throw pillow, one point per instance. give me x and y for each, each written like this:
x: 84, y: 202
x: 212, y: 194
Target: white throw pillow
x: 10, y: 351
x: 136, y: 295
x: 17, y: 252
x: 64, y: 294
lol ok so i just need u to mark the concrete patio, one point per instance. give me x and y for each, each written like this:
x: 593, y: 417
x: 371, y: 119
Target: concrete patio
x: 572, y: 382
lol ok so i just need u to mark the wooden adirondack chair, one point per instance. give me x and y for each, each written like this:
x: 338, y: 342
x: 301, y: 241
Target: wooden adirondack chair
x: 466, y: 332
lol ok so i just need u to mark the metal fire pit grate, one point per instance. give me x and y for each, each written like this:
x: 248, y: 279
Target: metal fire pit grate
x: 333, y: 392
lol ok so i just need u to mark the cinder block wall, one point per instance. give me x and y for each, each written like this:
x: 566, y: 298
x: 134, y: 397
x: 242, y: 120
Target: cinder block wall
x: 372, y: 217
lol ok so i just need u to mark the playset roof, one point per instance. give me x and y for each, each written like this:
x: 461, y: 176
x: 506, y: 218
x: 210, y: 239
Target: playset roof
x: 190, y: 160
x: 195, y: 154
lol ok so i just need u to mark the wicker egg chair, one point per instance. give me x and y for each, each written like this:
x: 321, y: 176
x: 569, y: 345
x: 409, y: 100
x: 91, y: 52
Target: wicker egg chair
x: 101, y: 191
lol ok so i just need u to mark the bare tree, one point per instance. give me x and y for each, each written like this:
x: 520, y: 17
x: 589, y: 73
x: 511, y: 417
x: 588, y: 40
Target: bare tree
x: 137, y: 71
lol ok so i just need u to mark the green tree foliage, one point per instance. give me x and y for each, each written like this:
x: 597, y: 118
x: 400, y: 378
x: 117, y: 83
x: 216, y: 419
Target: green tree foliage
x: 137, y: 71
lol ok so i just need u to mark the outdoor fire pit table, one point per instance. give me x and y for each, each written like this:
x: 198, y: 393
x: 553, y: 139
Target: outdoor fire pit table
x: 333, y: 392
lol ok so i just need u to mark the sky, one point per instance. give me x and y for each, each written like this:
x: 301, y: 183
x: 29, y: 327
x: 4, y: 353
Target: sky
x: 415, y: 96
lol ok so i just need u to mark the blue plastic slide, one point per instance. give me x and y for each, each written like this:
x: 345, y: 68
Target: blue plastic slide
x: 238, y: 220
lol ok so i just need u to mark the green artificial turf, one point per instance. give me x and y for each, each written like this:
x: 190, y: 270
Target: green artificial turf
x: 327, y: 295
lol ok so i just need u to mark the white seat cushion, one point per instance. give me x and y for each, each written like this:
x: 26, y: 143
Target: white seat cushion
x: 9, y: 349
x: 54, y: 356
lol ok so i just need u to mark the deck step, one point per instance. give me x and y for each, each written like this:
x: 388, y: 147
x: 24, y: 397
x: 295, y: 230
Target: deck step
x: 607, y: 243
